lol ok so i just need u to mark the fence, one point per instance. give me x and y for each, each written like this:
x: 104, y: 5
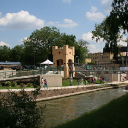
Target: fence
x: 13, y: 73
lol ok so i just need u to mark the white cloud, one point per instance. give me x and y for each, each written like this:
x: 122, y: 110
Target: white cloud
x: 67, y: 1
x: 68, y: 23
x: 21, y: 41
x: 94, y: 9
x: 106, y: 4
x: 21, y: 20
x: 95, y: 16
x: 3, y: 43
x: 50, y: 23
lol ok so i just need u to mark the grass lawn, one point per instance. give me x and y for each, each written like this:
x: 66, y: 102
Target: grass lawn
x: 112, y: 115
x: 67, y: 82
x: 4, y: 87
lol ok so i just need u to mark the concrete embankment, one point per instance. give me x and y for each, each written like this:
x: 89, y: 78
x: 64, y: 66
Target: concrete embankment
x: 89, y: 88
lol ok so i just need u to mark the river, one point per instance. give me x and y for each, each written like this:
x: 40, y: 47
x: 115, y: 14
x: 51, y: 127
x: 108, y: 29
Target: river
x: 61, y: 110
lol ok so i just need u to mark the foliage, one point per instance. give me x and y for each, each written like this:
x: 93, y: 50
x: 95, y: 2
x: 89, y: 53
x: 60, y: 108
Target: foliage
x: 120, y: 11
x: 38, y: 47
x: 81, y: 50
x: 22, y: 85
x: 4, y: 53
x: 29, y: 84
x: 109, y: 31
x: 8, y: 83
x: 41, y: 41
x: 16, y: 53
x: 14, y: 84
x: 20, y: 110
x: 91, y: 63
x: 0, y: 85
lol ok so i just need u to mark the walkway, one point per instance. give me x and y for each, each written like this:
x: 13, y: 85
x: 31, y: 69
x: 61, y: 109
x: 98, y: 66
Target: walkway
x: 52, y: 88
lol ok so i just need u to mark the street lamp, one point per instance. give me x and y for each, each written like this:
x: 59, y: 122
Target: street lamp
x: 34, y: 59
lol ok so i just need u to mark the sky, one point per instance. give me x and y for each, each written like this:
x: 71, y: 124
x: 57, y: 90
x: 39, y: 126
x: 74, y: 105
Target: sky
x: 19, y: 18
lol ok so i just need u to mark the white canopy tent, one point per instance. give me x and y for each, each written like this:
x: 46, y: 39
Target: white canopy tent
x: 47, y: 62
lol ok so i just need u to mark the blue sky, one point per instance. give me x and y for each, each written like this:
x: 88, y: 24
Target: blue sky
x: 19, y: 18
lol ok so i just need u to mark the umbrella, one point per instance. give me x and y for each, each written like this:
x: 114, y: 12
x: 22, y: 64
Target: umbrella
x: 47, y: 62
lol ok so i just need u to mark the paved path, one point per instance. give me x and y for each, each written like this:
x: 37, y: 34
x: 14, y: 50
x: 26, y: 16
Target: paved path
x: 50, y: 88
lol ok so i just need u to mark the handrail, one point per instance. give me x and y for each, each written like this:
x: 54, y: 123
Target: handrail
x: 10, y: 74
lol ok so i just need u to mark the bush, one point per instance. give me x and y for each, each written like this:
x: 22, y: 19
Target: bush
x: 21, y: 85
x: 20, y: 111
x: 8, y: 83
x: 29, y: 84
x: 13, y: 84
x: 0, y: 85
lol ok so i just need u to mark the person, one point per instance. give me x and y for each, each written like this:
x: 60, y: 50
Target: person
x: 100, y: 80
x: 103, y: 80
x: 94, y: 80
x: 71, y: 80
x: 81, y: 81
x: 77, y: 81
x: 46, y: 66
x: 86, y: 82
x: 107, y: 79
x: 42, y: 82
x: 46, y: 83
x: 123, y: 78
x: 90, y: 80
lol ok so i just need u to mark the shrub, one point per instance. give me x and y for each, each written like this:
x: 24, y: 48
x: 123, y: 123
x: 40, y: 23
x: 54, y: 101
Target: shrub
x: 29, y: 84
x: 0, y: 85
x: 21, y: 85
x: 20, y: 111
x: 8, y: 83
x: 14, y: 84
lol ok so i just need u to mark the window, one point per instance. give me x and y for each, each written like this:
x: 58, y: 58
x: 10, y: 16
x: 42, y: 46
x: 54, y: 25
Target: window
x: 93, y: 57
x: 107, y: 56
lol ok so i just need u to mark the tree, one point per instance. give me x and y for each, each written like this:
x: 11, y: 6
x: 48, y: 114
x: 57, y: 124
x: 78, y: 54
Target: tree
x: 120, y: 11
x: 109, y: 31
x: 42, y: 41
x: 81, y: 49
x: 16, y: 53
x: 4, y: 53
x: 67, y: 39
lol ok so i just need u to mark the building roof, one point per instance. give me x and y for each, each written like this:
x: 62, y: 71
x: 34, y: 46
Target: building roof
x: 10, y: 63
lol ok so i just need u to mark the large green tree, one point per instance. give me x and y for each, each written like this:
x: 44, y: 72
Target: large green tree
x: 41, y: 41
x: 81, y: 49
x: 16, y: 53
x: 4, y: 53
x: 117, y: 20
x: 110, y: 33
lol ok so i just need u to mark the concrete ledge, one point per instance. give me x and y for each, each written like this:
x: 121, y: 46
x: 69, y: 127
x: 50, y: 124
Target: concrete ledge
x: 72, y: 94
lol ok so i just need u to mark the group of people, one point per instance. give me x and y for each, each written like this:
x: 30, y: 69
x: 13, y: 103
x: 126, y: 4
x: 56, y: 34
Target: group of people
x: 81, y: 81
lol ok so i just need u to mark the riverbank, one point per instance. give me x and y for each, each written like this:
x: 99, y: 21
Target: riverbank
x: 111, y: 115
x: 59, y: 92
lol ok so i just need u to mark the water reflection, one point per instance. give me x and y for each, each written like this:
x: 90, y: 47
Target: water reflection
x: 64, y: 109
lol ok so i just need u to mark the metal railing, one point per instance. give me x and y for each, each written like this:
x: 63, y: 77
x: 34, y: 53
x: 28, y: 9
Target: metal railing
x: 13, y: 73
